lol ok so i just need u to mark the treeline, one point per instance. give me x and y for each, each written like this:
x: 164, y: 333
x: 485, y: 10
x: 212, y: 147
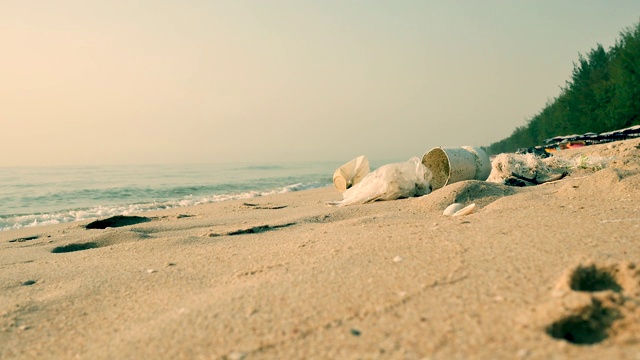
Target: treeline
x: 602, y: 95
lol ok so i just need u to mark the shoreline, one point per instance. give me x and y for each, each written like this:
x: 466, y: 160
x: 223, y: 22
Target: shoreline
x: 286, y: 276
x: 96, y: 210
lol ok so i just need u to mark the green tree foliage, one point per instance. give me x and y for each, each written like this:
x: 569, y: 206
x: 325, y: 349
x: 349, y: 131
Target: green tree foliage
x: 603, y: 94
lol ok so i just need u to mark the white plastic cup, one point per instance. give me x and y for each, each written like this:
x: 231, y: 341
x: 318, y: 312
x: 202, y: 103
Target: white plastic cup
x: 452, y: 164
x: 351, y: 173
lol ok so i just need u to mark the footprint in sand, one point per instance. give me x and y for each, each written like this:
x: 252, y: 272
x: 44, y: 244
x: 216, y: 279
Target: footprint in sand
x: 117, y: 221
x: 592, y: 278
x: 585, y: 325
x: 253, y: 230
x: 594, y: 302
x: 74, y: 247
x: 109, y: 237
x: 23, y: 239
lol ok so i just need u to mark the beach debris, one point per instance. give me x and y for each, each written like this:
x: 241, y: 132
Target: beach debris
x: 397, y: 259
x: 557, y: 143
x: 356, y: 332
x: 528, y: 169
x: 351, y: 173
x: 28, y: 282
x: 451, y: 209
x: 151, y: 271
x: 512, y: 181
x: 465, y: 210
x: 535, y: 180
x: 449, y: 165
x: 23, y: 239
x: 117, y: 221
x: 389, y: 182
x: 525, y: 167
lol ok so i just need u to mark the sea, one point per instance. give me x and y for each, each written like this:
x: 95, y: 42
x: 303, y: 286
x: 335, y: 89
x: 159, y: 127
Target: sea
x: 44, y: 195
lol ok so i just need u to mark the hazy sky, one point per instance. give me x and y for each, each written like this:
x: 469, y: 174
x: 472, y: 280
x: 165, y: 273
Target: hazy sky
x: 85, y: 82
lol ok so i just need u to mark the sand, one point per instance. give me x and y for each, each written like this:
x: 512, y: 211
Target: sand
x: 539, y: 272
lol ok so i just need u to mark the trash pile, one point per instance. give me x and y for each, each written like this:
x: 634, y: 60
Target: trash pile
x: 529, y: 169
x: 443, y: 166
x: 388, y: 182
x: 524, y: 169
x: 414, y: 177
x: 575, y: 141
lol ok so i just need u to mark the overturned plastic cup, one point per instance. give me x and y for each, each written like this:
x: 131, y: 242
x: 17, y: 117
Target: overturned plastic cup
x: 452, y: 164
x: 351, y: 173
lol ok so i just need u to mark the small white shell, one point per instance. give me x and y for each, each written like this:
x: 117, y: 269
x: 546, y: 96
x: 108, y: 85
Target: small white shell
x: 465, y: 211
x: 452, y: 209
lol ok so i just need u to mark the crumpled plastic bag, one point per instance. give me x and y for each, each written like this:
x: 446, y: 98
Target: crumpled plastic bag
x: 351, y: 173
x: 390, y: 182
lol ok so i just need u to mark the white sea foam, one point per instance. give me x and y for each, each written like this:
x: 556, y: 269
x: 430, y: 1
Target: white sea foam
x: 12, y: 222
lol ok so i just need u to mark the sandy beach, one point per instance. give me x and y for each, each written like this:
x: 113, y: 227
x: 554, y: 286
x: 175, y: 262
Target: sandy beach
x: 539, y: 272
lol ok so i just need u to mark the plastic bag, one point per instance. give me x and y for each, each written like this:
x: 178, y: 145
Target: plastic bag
x: 390, y: 182
x: 351, y: 173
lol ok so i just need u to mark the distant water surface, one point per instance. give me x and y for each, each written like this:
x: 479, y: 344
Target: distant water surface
x: 33, y: 196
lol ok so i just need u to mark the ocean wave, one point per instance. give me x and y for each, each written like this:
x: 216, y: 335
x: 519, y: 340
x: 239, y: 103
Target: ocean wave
x: 12, y: 222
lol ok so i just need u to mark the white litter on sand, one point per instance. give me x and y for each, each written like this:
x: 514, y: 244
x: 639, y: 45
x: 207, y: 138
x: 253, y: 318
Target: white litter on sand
x: 530, y: 166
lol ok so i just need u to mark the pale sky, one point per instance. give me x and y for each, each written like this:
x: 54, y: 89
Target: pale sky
x: 158, y: 81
